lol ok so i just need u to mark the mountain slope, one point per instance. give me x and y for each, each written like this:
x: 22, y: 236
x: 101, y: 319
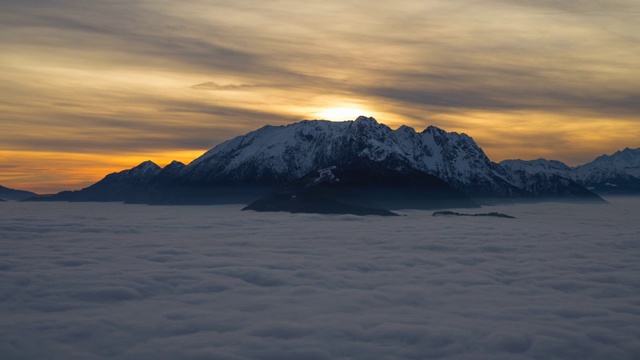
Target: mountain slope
x: 121, y: 186
x: 12, y: 194
x: 551, y: 167
x: 547, y: 178
x: 361, y: 187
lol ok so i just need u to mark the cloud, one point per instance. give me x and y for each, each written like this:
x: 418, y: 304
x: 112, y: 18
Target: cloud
x: 210, y: 85
x: 574, y: 7
x: 82, y: 280
x: 87, y: 72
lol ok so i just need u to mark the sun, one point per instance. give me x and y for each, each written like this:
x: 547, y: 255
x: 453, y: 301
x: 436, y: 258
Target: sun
x: 340, y: 113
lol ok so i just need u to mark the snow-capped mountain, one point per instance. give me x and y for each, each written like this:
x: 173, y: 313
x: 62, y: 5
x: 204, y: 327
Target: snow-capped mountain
x: 279, y: 154
x: 607, y: 174
x: 626, y: 161
x: 543, y: 177
x: 120, y: 186
x: 251, y: 165
x: 143, y: 173
x: 538, y: 166
x: 615, y: 173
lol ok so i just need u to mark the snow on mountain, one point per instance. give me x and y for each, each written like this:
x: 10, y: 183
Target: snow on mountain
x: 624, y: 163
x: 537, y: 166
x: 618, y: 173
x: 143, y: 173
x: 608, y: 174
x: 546, y: 178
x: 275, y: 155
x: 283, y: 153
x: 119, y: 186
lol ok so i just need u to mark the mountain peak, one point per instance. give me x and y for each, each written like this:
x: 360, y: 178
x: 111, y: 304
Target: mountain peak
x: 406, y: 129
x: 363, y: 118
x: 146, y: 165
x: 175, y: 163
x: 145, y: 171
x: 623, y: 165
x: 629, y: 153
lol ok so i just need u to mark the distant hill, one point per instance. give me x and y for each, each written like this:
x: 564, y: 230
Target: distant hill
x: 11, y: 194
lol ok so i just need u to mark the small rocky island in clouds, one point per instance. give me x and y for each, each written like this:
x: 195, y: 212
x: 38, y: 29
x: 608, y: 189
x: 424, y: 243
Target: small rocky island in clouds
x: 360, y: 167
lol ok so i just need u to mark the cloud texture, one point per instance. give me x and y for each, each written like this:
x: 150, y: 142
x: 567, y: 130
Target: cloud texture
x: 148, y: 77
x: 97, y: 281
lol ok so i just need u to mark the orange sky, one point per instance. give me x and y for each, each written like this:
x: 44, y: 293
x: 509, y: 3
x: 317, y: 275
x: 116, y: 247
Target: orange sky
x: 89, y: 88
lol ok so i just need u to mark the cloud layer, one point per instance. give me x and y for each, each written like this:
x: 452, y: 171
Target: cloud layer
x: 143, y: 77
x: 96, y: 281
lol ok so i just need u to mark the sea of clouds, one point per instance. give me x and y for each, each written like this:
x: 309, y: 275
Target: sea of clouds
x: 115, y: 281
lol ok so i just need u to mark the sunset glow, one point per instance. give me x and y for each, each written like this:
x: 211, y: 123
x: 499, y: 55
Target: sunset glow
x: 340, y: 114
x: 91, y: 88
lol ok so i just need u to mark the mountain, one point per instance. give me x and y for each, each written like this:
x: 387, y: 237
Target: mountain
x: 275, y: 158
x: 12, y: 194
x: 170, y: 172
x: 547, y: 178
x: 363, y: 187
x: 148, y: 183
x: 618, y: 173
x: 120, y: 186
x: 280, y: 154
x: 537, y: 166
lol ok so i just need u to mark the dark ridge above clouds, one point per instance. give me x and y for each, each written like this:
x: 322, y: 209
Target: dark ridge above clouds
x: 12, y: 194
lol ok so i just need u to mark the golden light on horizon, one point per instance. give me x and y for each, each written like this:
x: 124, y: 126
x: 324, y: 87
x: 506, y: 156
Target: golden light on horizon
x: 51, y: 172
x: 79, y: 104
x: 341, y: 113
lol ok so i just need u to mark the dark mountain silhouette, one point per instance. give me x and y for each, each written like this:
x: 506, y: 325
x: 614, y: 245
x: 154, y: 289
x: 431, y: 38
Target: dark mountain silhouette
x: 12, y: 194
x: 363, y: 186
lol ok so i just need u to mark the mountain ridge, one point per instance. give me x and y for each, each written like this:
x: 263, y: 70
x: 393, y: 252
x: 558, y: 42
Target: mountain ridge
x: 617, y: 173
x: 280, y: 154
x: 14, y: 194
x: 260, y: 161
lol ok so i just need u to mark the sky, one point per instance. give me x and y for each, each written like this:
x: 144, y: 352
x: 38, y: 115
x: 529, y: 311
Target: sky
x: 92, y: 87
x: 114, y: 281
